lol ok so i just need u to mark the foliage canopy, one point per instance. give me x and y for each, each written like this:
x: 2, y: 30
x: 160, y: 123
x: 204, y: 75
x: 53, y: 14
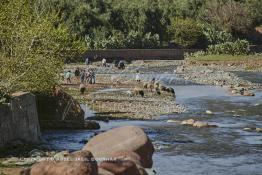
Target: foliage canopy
x: 32, y: 47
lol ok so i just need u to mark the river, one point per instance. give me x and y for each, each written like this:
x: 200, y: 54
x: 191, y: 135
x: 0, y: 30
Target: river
x: 184, y: 150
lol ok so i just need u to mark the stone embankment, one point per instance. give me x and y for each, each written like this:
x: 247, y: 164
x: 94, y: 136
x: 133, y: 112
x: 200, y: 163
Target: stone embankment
x: 19, y: 121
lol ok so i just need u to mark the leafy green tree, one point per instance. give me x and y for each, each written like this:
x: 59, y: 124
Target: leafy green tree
x: 32, y: 47
x: 185, y: 32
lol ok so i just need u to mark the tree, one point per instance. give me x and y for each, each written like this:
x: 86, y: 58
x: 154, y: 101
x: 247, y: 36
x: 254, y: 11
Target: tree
x: 185, y: 32
x: 32, y: 47
x: 228, y: 15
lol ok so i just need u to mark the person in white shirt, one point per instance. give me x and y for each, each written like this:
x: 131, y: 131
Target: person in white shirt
x: 103, y: 62
x: 138, y: 76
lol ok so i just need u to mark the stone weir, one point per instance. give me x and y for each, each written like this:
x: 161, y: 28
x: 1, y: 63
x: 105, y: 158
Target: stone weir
x: 19, y: 120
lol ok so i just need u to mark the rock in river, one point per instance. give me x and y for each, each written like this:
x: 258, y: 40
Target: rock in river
x: 188, y: 122
x: 197, y: 124
x: 128, y: 138
x: 91, y: 125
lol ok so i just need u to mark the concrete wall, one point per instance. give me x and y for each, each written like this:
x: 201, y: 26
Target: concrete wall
x: 131, y: 54
x: 19, y: 120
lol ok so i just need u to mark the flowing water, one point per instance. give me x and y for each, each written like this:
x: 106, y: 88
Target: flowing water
x: 184, y: 150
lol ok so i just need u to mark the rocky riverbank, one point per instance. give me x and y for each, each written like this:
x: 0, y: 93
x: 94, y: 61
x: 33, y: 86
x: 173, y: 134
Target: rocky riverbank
x: 218, y: 75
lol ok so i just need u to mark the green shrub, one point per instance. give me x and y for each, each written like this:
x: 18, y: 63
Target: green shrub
x: 195, y: 54
x: 117, y: 40
x: 185, y: 32
x: 150, y: 41
x: 239, y: 47
x: 215, y: 36
x: 133, y: 40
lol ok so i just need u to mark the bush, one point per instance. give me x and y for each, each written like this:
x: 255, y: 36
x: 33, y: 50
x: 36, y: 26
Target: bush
x: 133, y: 40
x: 185, y: 32
x: 239, y: 47
x: 117, y: 40
x: 214, y: 36
x: 151, y: 41
x: 195, y: 54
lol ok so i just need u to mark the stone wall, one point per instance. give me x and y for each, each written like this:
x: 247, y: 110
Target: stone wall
x: 19, y: 120
x: 132, y: 54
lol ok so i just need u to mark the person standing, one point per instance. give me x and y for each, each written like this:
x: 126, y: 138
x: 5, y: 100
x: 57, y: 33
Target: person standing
x: 138, y: 76
x: 87, y: 61
x: 82, y: 76
x: 103, y: 62
x: 77, y: 74
x: 68, y: 77
x: 93, y: 76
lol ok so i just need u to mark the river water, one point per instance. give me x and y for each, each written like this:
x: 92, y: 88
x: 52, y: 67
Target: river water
x: 184, y: 150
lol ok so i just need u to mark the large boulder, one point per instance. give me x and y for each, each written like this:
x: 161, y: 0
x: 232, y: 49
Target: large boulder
x: 60, y: 111
x: 128, y: 138
x: 77, y: 163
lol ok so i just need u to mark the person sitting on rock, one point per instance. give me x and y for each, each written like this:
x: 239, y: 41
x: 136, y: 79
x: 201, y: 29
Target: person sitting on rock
x: 82, y: 88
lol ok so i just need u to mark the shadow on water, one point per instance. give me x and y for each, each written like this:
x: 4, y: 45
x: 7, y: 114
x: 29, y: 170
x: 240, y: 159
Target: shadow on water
x: 184, y: 150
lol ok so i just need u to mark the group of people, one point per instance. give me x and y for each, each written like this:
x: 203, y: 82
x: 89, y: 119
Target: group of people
x: 86, y: 76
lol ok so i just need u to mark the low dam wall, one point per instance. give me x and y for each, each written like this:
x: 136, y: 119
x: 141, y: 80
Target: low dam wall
x: 131, y: 54
x: 19, y: 120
